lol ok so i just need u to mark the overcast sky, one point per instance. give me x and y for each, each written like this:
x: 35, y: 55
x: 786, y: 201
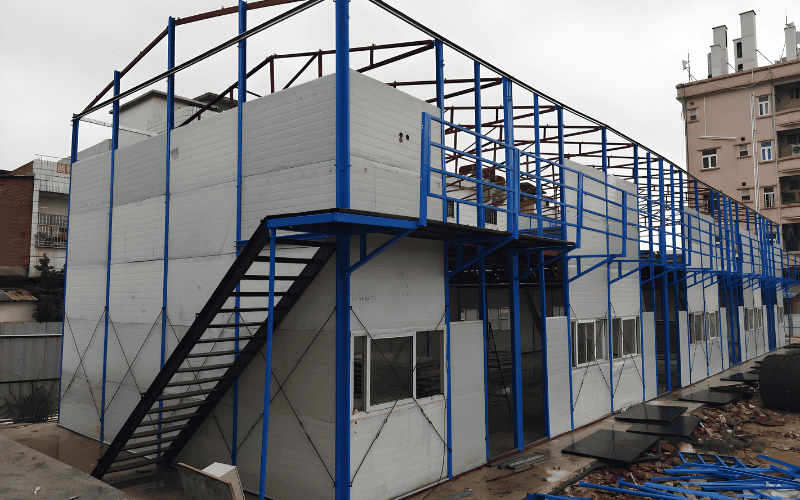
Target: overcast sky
x: 617, y: 61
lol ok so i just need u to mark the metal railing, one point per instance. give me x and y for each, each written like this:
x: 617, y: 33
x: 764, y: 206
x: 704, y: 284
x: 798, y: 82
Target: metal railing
x: 51, y: 231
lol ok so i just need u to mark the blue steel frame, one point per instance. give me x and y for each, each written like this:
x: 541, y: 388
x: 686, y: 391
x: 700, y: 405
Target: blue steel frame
x: 726, y: 252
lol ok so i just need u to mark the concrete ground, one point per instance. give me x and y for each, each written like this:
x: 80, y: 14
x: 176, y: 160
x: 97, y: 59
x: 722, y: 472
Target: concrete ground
x: 488, y: 482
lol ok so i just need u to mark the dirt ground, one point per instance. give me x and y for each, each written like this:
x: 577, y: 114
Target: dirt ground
x: 744, y: 430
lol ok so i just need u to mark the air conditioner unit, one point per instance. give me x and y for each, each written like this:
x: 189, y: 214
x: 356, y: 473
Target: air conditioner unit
x: 796, y: 149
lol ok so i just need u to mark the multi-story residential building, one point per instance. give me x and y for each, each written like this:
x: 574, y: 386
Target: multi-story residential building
x: 743, y: 127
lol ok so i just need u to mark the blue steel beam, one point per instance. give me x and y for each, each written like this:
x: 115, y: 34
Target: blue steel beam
x: 342, y: 440
x: 342, y: 103
x: 449, y: 400
x: 662, y: 248
x: 73, y: 159
x: 516, y: 349
x: 439, y: 54
x: 114, y: 144
x: 479, y: 146
x: 268, y: 370
x: 241, y: 98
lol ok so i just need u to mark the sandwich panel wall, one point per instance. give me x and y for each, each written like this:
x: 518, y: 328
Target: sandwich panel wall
x: 140, y: 170
x: 723, y: 322
x: 649, y: 354
x: 204, y: 153
x: 468, y: 395
x: 684, y: 350
x: 628, y: 381
x: 558, y: 366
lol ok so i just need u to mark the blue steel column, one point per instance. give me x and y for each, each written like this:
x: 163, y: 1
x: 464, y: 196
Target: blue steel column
x: 562, y: 179
x: 449, y: 403
x: 478, y: 149
x: 662, y: 248
x: 641, y: 301
x: 114, y: 144
x: 516, y: 350
x: 170, y: 126
x: 342, y: 103
x: 512, y: 177
x: 651, y: 258
x: 540, y: 231
x: 342, y: 472
x: 610, y: 322
x: 439, y: 53
x: 241, y: 98
x: 268, y: 367
x: 73, y: 159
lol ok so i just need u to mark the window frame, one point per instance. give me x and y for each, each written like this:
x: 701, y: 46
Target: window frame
x: 745, y: 195
x: 603, y: 344
x: 692, y: 114
x: 490, y: 216
x: 696, y: 337
x: 711, y: 156
x: 712, y: 318
x: 451, y: 209
x: 637, y: 351
x: 763, y: 105
x: 769, y: 196
x: 367, y: 373
x: 746, y: 150
x: 766, y: 150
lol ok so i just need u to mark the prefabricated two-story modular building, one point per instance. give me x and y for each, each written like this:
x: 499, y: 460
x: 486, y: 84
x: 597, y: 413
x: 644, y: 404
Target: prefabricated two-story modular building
x: 351, y: 292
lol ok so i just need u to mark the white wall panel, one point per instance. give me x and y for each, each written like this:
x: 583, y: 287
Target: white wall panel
x: 627, y: 382
x: 203, y: 222
x: 468, y: 395
x: 558, y: 366
x: 140, y: 170
x: 138, y: 231
x: 683, y: 345
x: 649, y: 354
x: 90, y: 184
x: 591, y: 393
x: 88, y: 237
x: 191, y: 282
x: 206, y: 153
x: 723, y: 322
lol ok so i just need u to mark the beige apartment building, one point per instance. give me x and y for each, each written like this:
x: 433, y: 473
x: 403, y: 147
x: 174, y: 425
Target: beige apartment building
x: 742, y: 127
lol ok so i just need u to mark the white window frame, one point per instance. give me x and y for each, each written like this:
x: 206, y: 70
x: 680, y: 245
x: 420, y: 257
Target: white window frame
x: 743, y: 148
x: 713, y: 325
x: 696, y: 337
x: 766, y: 150
x: 769, y: 196
x: 490, y: 213
x: 709, y: 157
x: 600, y: 354
x: 745, y: 194
x: 367, y: 374
x: 693, y: 114
x: 636, y: 347
x: 763, y: 105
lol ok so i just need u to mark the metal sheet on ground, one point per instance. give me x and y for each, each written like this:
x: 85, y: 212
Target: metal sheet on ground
x: 615, y: 446
x: 710, y: 397
x: 682, y: 426
x: 650, y: 413
x: 200, y: 485
x: 741, y: 377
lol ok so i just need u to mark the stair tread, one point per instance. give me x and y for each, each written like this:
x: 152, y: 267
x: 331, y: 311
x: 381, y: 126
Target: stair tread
x: 134, y: 465
x: 182, y: 406
x: 124, y: 457
x: 224, y: 339
x: 187, y: 394
x: 210, y: 354
x: 286, y: 260
x: 155, y: 432
x: 197, y: 381
x: 258, y: 294
x: 265, y: 277
x: 165, y: 420
x: 152, y: 442
x: 204, y: 368
x: 231, y: 325
x: 243, y: 309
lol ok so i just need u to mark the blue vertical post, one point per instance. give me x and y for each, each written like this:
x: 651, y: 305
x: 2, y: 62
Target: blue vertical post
x: 651, y: 253
x: 439, y: 54
x: 449, y: 404
x: 543, y: 335
x: 516, y: 349
x: 268, y: 367
x: 537, y: 150
x: 675, y: 282
x: 610, y: 322
x: 170, y: 126
x: 114, y: 144
x: 562, y: 179
x: 241, y: 98
x: 478, y: 148
x: 342, y: 470
x: 482, y: 313
x: 342, y: 103
x: 662, y: 248
x: 512, y: 176
x: 73, y: 159
x: 641, y: 301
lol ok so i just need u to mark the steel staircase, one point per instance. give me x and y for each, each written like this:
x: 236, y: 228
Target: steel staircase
x: 184, y: 392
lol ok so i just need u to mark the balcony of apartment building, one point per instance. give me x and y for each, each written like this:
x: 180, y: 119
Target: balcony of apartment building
x: 51, y: 231
x: 787, y: 122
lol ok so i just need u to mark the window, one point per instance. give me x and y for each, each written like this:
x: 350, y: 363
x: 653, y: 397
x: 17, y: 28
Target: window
x: 743, y: 150
x: 766, y: 150
x: 386, y: 369
x: 625, y: 341
x: 451, y: 209
x: 710, y: 158
x: 739, y: 67
x: 499, y: 318
x: 713, y: 325
x: 745, y: 194
x: 759, y: 319
x: 491, y: 216
x: 696, y: 328
x: 748, y: 319
x: 693, y: 114
x: 788, y: 197
x: 763, y: 105
x: 794, y: 184
x: 769, y: 197
x: 588, y: 342
x: 739, y: 52
x: 791, y: 138
x: 794, y: 93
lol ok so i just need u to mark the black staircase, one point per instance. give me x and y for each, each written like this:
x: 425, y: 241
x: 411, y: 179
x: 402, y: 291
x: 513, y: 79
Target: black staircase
x: 184, y: 412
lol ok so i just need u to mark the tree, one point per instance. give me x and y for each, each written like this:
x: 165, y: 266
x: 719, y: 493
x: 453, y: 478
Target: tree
x: 49, y: 292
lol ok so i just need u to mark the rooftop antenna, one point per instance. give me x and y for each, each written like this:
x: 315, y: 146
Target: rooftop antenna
x: 687, y: 65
